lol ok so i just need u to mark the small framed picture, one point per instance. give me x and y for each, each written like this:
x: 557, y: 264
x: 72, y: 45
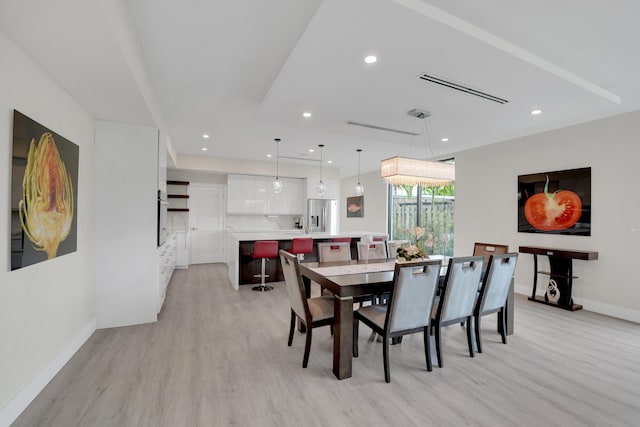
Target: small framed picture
x: 355, y: 207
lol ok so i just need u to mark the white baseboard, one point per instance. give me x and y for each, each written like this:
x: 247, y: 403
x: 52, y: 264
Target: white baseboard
x: 12, y: 410
x: 590, y: 305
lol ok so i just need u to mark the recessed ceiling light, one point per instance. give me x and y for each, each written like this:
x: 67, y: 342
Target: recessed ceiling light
x: 536, y: 112
x: 204, y: 148
x: 306, y: 114
x: 205, y: 136
x: 444, y: 139
x: 269, y: 155
x: 329, y: 161
x: 370, y: 59
x: 311, y: 150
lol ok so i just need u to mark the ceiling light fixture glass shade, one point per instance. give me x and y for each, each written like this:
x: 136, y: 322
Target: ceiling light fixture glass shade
x: 403, y: 170
x: 277, y: 184
x: 359, y: 187
x: 321, y: 188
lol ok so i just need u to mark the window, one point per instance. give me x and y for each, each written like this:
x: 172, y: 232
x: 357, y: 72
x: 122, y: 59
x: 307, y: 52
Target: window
x: 413, y: 206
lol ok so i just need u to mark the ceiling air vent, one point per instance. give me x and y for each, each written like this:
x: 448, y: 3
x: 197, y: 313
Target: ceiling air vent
x: 461, y: 88
x: 364, y: 125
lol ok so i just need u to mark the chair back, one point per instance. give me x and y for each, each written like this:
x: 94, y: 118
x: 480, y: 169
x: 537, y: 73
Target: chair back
x: 373, y: 250
x: 302, y: 245
x: 460, y: 288
x: 295, y: 287
x: 414, y: 289
x: 495, y: 286
x: 334, y: 251
x: 265, y: 249
x: 488, y: 249
x: 393, y: 245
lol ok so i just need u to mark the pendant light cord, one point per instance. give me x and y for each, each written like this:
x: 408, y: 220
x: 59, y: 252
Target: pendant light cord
x: 277, y: 158
x: 359, y: 150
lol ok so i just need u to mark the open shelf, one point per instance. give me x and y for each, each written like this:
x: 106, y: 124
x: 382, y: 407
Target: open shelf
x: 179, y: 194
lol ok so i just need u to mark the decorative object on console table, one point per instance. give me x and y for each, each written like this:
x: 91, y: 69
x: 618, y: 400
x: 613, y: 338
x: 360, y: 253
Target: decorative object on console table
x: 560, y: 275
x: 176, y: 194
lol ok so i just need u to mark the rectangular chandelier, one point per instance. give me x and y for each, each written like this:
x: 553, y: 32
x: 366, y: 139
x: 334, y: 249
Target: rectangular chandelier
x: 403, y: 170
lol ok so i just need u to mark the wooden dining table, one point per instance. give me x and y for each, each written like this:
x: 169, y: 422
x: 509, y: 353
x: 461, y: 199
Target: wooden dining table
x: 349, y: 279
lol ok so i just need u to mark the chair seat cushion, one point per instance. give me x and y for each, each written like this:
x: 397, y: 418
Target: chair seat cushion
x: 321, y: 308
x: 374, y: 313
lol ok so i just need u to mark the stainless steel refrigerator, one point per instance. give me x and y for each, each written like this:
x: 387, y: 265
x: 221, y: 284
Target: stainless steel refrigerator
x: 322, y: 216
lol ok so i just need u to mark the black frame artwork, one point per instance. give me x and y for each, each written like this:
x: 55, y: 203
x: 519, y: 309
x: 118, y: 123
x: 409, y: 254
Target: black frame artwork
x: 557, y: 202
x: 44, y: 193
x: 355, y: 207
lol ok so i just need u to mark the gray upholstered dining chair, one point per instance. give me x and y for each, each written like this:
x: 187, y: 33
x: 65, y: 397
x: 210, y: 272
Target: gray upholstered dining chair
x: 393, y: 246
x: 457, y: 300
x: 493, y: 292
x: 373, y: 250
x: 488, y: 249
x: 334, y: 251
x: 408, y: 310
x: 313, y: 312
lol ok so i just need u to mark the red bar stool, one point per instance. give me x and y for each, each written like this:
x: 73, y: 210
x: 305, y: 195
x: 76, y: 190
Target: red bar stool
x: 264, y: 249
x: 301, y: 246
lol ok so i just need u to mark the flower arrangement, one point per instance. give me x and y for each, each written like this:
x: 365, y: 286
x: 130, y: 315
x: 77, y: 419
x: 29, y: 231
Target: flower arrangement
x: 410, y: 252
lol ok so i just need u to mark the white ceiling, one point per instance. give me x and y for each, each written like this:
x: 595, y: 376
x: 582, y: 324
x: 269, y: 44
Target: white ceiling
x: 243, y: 71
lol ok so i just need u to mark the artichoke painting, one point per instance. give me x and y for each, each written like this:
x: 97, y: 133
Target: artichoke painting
x: 46, y: 209
x: 44, y: 193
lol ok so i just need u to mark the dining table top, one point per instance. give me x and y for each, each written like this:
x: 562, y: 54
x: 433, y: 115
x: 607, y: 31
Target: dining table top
x: 353, y: 278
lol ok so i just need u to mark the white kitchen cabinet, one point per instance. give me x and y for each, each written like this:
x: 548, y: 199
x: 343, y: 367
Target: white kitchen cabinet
x: 331, y: 191
x: 234, y: 194
x: 166, y: 264
x: 249, y: 194
x: 182, y: 249
x: 291, y: 200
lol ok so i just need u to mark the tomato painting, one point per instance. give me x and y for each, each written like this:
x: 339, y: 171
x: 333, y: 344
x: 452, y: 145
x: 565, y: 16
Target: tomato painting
x: 553, y: 211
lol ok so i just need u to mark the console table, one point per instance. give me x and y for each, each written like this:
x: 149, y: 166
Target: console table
x: 561, y: 271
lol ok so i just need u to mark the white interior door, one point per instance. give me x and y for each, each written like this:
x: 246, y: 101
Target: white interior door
x: 206, y: 217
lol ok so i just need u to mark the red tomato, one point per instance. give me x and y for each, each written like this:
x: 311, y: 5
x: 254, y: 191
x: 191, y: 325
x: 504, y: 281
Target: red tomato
x: 556, y: 211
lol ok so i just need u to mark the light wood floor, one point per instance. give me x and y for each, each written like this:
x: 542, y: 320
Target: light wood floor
x: 218, y: 357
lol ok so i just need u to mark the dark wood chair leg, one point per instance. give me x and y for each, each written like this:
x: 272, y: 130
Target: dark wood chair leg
x: 477, y: 327
x: 427, y: 348
x: 470, y: 335
x: 292, y: 327
x: 307, y: 347
x: 438, y: 350
x: 502, y: 316
x: 385, y: 356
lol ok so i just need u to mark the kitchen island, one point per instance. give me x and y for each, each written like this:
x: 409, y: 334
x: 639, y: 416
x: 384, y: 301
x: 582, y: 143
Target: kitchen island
x: 242, y: 267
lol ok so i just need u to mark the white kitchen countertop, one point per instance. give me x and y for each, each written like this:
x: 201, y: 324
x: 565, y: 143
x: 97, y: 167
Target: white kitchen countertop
x: 290, y: 234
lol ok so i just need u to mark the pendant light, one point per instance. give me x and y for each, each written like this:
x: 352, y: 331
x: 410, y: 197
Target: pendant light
x: 321, y: 188
x: 277, y: 184
x: 359, y: 187
x: 402, y: 170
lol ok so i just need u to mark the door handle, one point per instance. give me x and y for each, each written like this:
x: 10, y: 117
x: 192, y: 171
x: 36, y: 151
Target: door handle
x: 194, y: 228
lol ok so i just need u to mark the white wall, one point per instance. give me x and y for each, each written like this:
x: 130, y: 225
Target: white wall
x: 46, y: 309
x: 375, y: 204
x: 486, y: 206
x: 127, y: 269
